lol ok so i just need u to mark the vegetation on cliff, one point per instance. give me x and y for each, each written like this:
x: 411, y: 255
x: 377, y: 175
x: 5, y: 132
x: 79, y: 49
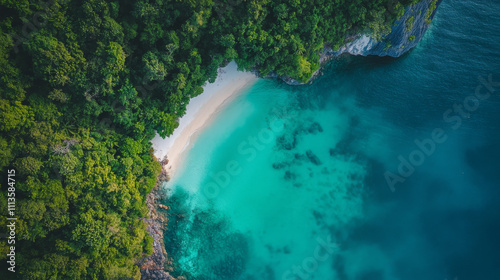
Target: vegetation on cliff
x: 85, y: 85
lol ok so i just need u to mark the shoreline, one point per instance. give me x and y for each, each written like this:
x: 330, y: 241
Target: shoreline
x: 200, y: 112
x: 158, y: 264
x: 170, y: 152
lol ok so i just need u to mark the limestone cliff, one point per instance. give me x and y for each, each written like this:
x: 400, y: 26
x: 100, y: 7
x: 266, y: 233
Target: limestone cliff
x: 405, y: 34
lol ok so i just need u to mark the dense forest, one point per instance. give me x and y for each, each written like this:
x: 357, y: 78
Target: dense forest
x: 86, y: 84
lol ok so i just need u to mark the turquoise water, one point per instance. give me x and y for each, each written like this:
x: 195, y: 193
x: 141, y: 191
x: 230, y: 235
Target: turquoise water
x: 292, y: 182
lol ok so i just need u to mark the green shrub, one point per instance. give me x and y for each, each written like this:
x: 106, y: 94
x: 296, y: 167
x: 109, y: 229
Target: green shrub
x: 409, y: 24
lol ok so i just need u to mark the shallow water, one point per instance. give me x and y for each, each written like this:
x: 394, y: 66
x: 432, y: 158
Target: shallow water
x: 290, y: 182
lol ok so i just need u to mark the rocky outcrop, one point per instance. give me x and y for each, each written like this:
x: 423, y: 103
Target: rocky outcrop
x: 405, y: 34
x: 153, y: 266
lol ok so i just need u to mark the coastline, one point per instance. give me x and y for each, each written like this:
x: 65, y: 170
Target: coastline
x: 200, y: 112
x: 157, y: 265
x: 396, y: 43
x: 230, y: 83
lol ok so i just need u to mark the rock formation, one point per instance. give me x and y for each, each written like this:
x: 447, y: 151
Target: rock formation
x: 405, y: 34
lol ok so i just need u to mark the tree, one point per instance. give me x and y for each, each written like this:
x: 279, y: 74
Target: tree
x: 53, y: 62
x: 28, y: 165
x: 14, y: 115
x: 154, y: 69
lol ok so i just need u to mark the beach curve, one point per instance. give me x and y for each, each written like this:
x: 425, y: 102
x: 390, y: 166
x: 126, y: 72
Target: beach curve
x: 199, y: 113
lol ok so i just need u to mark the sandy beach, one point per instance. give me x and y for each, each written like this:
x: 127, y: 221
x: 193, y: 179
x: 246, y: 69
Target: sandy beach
x: 199, y: 112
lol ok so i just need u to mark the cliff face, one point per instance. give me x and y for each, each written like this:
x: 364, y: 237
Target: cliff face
x: 405, y: 34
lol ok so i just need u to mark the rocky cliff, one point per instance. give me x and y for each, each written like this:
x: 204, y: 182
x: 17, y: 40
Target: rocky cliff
x: 405, y: 34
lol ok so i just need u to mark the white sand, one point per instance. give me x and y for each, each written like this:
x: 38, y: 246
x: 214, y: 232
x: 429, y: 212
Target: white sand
x: 199, y: 112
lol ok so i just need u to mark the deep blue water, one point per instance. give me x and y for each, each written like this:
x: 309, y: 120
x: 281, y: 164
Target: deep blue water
x: 284, y: 170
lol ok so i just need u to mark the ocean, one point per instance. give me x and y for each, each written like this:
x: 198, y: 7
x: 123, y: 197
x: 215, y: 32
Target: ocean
x: 382, y: 169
